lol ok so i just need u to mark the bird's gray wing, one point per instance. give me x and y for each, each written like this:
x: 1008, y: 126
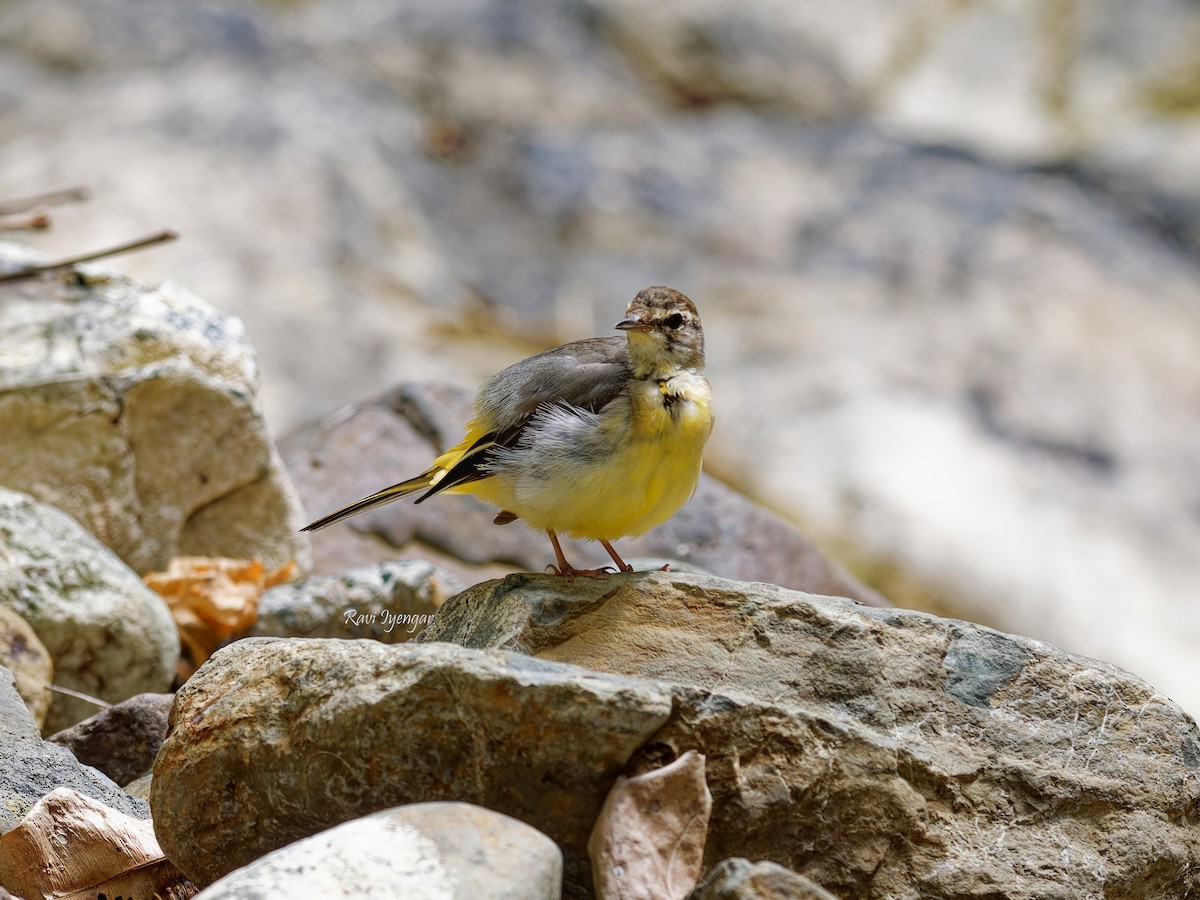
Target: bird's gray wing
x: 587, y: 374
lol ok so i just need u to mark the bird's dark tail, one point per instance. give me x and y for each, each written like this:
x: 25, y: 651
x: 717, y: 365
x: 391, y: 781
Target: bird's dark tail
x: 387, y: 495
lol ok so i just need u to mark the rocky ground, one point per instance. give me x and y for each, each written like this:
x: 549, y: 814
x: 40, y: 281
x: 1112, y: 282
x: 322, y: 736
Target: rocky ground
x: 948, y: 261
x: 947, y: 254
x: 723, y: 729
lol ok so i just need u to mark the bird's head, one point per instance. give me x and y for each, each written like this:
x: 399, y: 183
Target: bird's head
x: 664, y: 331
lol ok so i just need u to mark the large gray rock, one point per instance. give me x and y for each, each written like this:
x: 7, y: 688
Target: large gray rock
x: 424, y: 851
x: 288, y: 737
x: 34, y: 767
x: 135, y: 409
x: 1109, y: 85
x: 108, y: 634
x: 882, y: 753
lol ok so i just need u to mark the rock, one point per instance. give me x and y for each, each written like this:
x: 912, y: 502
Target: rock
x: 882, y: 753
x: 739, y: 879
x: 69, y: 845
x: 836, y: 187
x: 289, y: 737
x: 136, y: 410
x: 1132, y: 105
x: 33, y: 767
x: 388, y: 601
x: 140, y: 787
x: 334, y: 463
x: 109, y: 635
x: 424, y: 851
x: 120, y: 741
x: 745, y: 54
x: 29, y: 662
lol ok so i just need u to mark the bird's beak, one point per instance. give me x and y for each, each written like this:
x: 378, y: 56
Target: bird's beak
x: 633, y: 323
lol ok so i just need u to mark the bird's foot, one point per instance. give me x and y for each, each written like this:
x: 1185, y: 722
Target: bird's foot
x: 616, y: 557
x: 571, y: 573
x: 665, y: 568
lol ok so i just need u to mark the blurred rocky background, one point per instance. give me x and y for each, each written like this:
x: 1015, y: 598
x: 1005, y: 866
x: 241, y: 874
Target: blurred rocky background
x: 947, y: 254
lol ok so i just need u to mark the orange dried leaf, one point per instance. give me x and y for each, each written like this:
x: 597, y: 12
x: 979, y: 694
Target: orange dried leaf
x: 289, y: 571
x: 214, y: 597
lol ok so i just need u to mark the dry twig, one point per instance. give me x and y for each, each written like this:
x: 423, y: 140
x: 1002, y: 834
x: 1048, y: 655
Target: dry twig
x: 79, y: 695
x: 53, y: 198
x: 29, y: 221
x: 36, y: 269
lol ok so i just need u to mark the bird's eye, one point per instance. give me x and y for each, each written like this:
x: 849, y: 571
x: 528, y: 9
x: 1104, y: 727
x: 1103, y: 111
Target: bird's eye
x: 674, y: 320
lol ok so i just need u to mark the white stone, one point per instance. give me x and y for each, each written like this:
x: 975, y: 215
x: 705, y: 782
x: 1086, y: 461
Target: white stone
x: 108, y: 634
x: 135, y: 409
x: 424, y: 851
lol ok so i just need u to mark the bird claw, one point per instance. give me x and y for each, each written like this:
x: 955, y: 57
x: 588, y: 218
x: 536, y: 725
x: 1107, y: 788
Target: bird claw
x: 571, y: 573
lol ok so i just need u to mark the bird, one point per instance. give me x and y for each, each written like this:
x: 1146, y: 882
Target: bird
x: 598, y: 439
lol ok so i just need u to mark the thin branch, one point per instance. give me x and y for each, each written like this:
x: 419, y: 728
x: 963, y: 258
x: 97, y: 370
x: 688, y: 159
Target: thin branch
x: 29, y: 221
x: 79, y: 695
x: 34, y: 270
x: 53, y: 198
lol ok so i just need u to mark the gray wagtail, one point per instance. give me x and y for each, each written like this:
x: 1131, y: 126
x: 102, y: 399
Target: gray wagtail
x: 599, y: 439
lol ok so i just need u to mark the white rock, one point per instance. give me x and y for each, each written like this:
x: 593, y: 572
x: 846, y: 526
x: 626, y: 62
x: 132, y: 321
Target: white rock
x: 108, y: 634
x: 136, y: 410
x: 424, y: 851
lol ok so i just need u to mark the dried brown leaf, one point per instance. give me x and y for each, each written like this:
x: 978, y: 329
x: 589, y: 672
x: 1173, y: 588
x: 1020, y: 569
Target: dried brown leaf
x: 70, y: 846
x: 648, y: 842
